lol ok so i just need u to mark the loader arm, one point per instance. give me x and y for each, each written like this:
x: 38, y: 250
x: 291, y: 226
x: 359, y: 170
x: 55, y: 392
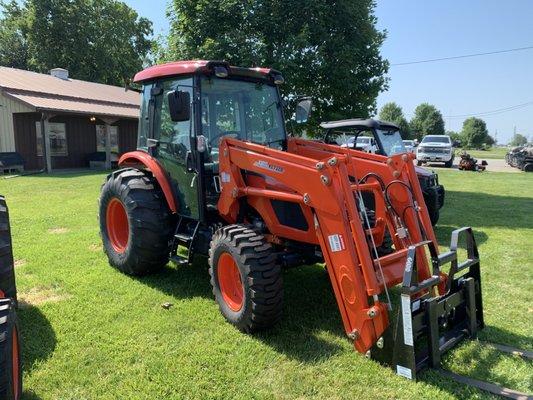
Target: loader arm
x: 326, y: 182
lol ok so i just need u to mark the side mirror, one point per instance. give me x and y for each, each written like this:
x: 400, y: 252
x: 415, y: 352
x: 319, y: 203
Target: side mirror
x: 303, y: 110
x: 456, y: 143
x: 179, y: 105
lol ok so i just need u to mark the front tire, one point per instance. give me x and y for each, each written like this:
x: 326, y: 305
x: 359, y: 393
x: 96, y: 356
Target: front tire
x: 135, y: 222
x: 449, y: 164
x: 246, y: 281
x: 10, y: 366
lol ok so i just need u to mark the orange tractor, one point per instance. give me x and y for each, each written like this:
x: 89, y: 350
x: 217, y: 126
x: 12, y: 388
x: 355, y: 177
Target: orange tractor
x: 10, y: 367
x: 217, y: 174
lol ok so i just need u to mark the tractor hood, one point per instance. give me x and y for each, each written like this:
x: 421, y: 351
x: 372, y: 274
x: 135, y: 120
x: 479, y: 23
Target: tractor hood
x: 423, y: 172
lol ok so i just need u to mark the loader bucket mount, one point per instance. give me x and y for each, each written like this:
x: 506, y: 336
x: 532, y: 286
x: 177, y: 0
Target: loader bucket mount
x: 427, y: 325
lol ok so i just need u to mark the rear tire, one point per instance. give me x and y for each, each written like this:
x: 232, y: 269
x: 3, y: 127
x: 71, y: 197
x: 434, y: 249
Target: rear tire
x: 10, y: 367
x: 7, y: 272
x: 135, y: 222
x: 246, y: 281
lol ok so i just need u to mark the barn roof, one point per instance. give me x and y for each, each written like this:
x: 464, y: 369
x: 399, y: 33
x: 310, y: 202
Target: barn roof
x: 45, y: 92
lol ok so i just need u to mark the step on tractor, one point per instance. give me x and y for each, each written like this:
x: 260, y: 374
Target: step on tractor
x: 216, y: 174
x: 10, y: 367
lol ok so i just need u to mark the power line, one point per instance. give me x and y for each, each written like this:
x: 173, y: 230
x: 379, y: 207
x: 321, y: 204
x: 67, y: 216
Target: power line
x: 462, y: 56
x: 492, y: 112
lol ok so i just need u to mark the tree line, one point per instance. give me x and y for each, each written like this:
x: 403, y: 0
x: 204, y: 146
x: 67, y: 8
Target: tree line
x: 428, y: 120
x: 328, y: 51
x: 102, y: 41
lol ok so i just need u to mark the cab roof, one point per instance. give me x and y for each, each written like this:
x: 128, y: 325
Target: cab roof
x: 199, y: 66
x: 358, y: 123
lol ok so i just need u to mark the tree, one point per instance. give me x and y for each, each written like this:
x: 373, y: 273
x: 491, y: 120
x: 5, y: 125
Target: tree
x: 13, y: 45
x: 518, y: 140
x: 427, y: 121
x: 329, y: 52
x: 455, y: 136
x: 97, y: 40
x: 475, y: 133
x: 392, y: 112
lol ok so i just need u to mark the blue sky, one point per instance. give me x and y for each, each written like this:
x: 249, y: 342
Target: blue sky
x: 421, y: 29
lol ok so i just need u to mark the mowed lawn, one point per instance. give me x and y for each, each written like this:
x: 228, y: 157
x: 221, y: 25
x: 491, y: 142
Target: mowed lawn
x: 490, y: 154
x: 92, y: 333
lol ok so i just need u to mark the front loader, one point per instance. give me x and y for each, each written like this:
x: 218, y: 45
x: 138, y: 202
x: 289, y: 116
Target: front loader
x: 216, y: 174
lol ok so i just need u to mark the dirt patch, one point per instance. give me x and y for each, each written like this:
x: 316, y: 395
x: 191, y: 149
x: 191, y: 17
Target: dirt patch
x: 40, y: 295
x: 20, y: 263
x: 95, y: 247
x: 58, y: 231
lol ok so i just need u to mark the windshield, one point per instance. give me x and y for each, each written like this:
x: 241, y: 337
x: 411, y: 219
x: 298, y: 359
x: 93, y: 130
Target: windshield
x: 391, y: 141
x: 250, y: 111
x: 363, y: 140
x: 436, y: 139
x: 408, y: 142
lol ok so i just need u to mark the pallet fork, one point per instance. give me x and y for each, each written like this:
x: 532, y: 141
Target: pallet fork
x: 428, y: 326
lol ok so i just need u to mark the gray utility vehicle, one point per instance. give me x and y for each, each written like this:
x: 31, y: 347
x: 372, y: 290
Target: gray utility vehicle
x: 389, y: 141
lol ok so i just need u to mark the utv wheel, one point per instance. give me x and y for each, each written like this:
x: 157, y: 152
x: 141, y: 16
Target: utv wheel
x: 246, y: 281
x: 11, y: 374
x: 528, y: 167
x: 135, y: 222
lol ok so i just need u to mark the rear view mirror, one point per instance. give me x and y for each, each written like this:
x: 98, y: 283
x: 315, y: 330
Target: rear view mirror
x: 179, y: 105
x: 303, y: 110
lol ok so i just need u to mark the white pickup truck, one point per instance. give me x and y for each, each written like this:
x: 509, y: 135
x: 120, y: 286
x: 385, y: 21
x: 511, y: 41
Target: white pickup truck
x: 363, y: 143
x: 435, y: 148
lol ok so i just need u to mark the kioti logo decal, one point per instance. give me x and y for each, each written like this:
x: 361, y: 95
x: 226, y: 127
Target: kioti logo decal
x: 265, y: 165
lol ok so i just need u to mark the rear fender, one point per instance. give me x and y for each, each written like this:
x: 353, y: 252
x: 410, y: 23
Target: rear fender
x: 143, y: 160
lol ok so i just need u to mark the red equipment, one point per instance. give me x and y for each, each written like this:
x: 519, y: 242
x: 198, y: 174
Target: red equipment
x: 217, y: 174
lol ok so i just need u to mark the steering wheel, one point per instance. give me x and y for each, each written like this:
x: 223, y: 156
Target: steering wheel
x: 214, y: 139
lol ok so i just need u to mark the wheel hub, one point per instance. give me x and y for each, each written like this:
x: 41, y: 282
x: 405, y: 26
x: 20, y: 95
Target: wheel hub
x: 118, y: 228
x: 229, y: 279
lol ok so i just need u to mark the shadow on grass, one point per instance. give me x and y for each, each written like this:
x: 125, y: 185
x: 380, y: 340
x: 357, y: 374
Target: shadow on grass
x: 38, y: 340
x: 309, y: 309
x: 311, y: 322
x: 482, y: 361
x: 444, y: 234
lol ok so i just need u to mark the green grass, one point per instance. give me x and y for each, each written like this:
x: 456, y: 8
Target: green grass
x: 92, y: 333
x: 490, y: 154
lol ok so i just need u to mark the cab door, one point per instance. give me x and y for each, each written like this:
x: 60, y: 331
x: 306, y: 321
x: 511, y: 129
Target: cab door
x: 173, y: 147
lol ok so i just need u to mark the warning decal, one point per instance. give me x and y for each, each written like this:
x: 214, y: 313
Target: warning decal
x: 336, y: 243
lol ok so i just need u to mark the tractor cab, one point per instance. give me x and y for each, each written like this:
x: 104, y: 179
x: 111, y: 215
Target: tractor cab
x: 188, y: 107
